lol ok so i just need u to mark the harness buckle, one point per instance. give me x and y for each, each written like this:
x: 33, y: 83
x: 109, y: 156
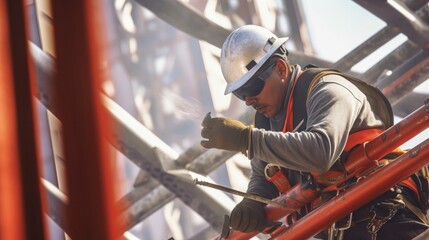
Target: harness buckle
x: 337, y: 233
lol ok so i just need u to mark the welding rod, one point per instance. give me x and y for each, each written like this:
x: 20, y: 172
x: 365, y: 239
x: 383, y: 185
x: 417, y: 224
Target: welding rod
x: 243, y: 194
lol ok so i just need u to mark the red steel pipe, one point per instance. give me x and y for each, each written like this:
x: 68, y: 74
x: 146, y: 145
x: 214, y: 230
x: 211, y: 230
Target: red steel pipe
x: 386, y: 142
x: 358, y: 195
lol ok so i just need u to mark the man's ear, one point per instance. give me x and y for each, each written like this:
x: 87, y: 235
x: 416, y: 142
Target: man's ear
x: 282, y: 67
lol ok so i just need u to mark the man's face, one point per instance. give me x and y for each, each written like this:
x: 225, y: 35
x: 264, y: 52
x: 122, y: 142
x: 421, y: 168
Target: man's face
x: 266, y: 91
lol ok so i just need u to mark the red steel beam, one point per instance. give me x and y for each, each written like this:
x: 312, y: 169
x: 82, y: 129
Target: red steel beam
x: 19, y: 128
x: 358, y: 195
x: 89, y: 163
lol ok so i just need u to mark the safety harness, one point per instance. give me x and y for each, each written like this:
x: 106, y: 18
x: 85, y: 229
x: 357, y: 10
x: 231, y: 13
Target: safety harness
x: 296, y: 119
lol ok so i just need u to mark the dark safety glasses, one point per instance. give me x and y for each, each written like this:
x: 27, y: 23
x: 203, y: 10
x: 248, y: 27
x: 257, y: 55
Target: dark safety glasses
x: 255, y: 85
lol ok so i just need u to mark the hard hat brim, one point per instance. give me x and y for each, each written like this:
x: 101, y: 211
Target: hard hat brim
x: 234, y: 85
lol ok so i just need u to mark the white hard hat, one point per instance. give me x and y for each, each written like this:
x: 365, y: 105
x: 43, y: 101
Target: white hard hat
x: 244, y: 51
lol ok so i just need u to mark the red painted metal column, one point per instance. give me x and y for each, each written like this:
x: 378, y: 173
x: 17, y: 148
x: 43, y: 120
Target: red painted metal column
x: 21, y: 203
x: 89, y: 164
x: 11, y: 217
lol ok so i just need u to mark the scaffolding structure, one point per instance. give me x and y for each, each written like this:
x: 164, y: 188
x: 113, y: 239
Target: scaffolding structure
x: 102, y: 109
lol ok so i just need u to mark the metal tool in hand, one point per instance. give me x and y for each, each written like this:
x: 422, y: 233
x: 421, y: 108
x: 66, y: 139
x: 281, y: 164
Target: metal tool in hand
x: 243, y: 194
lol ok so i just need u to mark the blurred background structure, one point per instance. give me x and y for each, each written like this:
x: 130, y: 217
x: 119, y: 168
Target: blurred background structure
x: 156, y: 65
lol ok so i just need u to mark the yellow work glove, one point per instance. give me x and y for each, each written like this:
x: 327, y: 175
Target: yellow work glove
x: 225, y: 133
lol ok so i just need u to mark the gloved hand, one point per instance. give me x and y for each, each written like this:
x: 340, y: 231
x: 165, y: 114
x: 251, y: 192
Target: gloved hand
x: 249, y: 216
x: 225, y: 133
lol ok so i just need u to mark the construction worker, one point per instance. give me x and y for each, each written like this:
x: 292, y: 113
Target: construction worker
x: 302, y: 129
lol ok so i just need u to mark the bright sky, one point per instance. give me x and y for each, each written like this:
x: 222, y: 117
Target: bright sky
x: 332, y: 39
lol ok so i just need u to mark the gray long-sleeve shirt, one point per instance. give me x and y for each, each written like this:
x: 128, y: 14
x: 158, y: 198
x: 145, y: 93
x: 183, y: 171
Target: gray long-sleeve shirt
x: 335, y: 108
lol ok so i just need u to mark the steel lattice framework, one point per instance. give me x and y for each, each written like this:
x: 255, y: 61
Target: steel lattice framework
x: 173, y: 49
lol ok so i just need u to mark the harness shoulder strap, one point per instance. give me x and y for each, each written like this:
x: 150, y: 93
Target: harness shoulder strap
x: 305, y: 83
x: 374, y: 96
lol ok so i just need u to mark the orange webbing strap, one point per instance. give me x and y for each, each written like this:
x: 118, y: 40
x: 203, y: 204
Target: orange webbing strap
x: 274, y: 174
x: 288, y: 125
x: 361, y: 137
x: 296, y: 110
